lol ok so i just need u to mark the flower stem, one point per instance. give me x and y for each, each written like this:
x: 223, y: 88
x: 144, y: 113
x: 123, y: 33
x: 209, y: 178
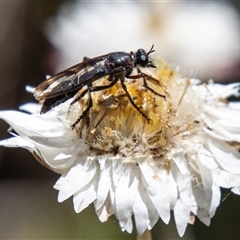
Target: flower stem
x: 145, y: 236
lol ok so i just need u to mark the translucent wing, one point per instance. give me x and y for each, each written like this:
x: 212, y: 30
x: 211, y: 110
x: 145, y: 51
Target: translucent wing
x: 71, y: 79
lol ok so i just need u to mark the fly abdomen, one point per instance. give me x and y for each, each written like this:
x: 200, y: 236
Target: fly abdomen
x: 89, y: 76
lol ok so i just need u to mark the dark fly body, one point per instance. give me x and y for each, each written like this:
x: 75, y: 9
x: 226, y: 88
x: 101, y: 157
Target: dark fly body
x: 116, y: 66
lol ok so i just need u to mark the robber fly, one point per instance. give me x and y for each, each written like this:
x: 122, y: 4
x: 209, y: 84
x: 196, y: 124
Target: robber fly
x: 116, y: 66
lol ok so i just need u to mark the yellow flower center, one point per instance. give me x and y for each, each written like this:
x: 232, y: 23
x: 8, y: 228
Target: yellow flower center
x: 114, y: 125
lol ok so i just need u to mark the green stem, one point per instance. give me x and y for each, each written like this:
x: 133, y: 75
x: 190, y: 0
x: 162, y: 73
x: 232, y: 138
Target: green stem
x: 145, y: 236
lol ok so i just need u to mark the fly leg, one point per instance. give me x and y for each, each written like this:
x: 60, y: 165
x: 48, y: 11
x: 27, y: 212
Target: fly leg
x: 89, y: 90
x: 85, y: 112
x: 145, y: 77
x: 151, y: 90
x: 132, y: 102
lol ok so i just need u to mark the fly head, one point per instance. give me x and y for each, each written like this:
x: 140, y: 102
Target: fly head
x: 142, y: 58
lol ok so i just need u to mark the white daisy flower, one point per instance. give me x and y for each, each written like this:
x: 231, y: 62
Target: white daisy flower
x: 128, y: 166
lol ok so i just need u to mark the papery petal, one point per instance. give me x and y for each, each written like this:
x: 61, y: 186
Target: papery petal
x: 77, y: 177
x: 207, y: 181
x: 105, y: 211
x: 172, y: 187
x: 203, y: 207
x: 104, y: 183
x: 30, y: 107
x: 28, y: 125
x: 128, y: 226
x: 161, y: 200
x: 227, y: 179
x: 18, y: 142
x: 125, y: 192
x: 227, y: 157
x: 140, y: 210
x: 183, y: 205
x: 148, y: 177
x: 86, y: 195
x: 223, y: 91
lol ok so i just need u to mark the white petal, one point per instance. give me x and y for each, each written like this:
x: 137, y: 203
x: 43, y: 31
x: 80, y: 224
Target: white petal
x: 224, y: 91
x: 220, y: 132
x: 104, y: 182
x: 216, y: 198
x: 125, y: 192
x: 179, y: 159
x: 26, y: 124
x: 148, y: 176
x: 203, y: 207
x: 78, y: 148
x: 30, y: 107
x: 173, y: 191
x: 203, y: 215
x: 49, y: 154
x: 153, y: 215
x: 17, y: 142
x: 180, y: 214
x: 128, y: 226
x: 30, y: 89
x: 227, y: 179
x: 161, y: 200
x: 86, y: 195
x: 236, y: 190
x: 212, y: 192
x: 227, y: 157
x: 140, y: 210
x: 234, y: 105
x: 183, y: 205
x: 207, y: 159
x: 77, y: 177
x: 105, y: 211
x: 207, y: 181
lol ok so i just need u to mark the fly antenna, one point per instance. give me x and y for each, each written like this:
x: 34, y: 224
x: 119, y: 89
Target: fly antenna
x: 151, y: 50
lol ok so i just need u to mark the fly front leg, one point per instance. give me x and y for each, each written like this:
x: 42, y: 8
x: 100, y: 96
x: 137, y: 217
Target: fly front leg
x: 151, y: 90
x: 146, y: 77
x: 132, y: 102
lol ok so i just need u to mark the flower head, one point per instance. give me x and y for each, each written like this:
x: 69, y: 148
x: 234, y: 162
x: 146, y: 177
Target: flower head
x: 173, y: 152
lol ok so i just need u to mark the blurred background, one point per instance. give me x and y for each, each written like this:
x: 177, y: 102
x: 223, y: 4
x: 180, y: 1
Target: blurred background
x: 42, y: 37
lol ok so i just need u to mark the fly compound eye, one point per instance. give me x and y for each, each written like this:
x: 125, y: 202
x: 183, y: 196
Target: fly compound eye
x: 142, y: 58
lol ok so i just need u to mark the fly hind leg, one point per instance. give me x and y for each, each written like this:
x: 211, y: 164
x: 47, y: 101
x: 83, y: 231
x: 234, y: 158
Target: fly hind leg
x: 90, y: 89
x: 85, y: 112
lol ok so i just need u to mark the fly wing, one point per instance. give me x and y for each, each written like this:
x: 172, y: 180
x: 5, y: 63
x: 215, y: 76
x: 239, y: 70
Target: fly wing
x: 69, y: 88
x: 71, y: 79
